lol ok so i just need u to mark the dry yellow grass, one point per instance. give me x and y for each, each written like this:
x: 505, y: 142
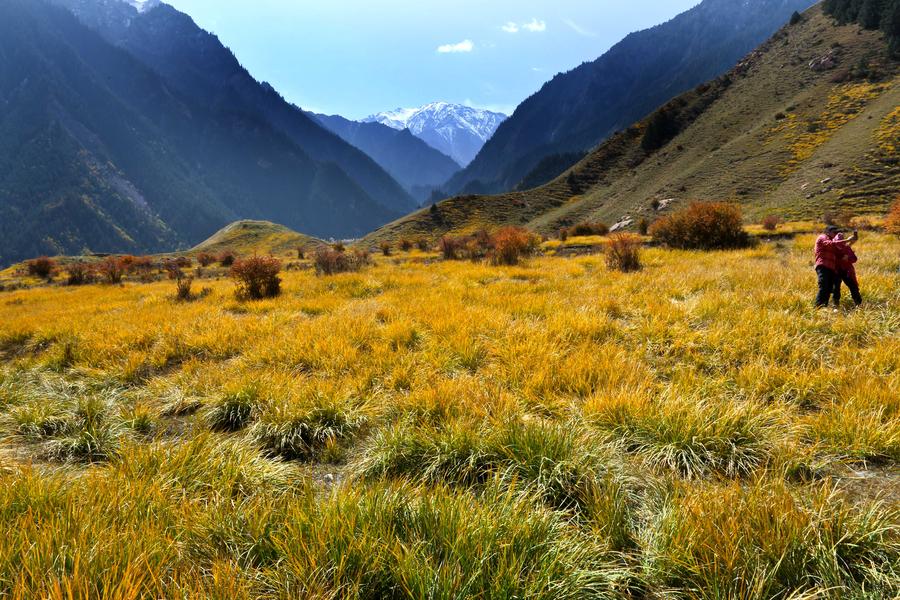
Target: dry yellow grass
x: 551, y: 430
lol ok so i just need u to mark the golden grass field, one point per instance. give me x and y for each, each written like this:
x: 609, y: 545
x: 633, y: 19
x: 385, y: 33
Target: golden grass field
x: 429, y: 429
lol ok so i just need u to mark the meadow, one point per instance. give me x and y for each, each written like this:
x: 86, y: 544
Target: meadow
x: 449, y: 429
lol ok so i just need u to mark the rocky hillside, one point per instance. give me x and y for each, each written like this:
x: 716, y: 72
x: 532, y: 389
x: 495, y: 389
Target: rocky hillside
x: 577, y: 110
x: 806, y: 124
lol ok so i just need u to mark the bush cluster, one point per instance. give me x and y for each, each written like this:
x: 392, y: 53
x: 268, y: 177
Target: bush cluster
x: 330, y: 261
x: 42, y: 267
x: 257, y: 277
x: 771, y: 222
x: 511, y: 244
x: 586, y: 228
x: 80, y: 273
x: 111, y: 270
x: 624, y: 252
x: 506, y: 246
x: 703, y: 226
x: 227, y: 258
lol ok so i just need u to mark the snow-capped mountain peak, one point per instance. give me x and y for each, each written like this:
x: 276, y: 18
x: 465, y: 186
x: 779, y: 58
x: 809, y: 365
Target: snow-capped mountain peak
x: 456, y: 130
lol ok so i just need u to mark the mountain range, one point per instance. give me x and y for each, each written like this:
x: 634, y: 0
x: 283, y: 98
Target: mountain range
x: 457, y: 131
x: 127, y: 130
x: 576, y: 110
x: 410, y: 160
x: 805, y: 125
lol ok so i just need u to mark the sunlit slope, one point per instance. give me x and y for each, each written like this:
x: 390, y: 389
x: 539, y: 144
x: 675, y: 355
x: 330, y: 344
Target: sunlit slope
x: 774, y: 134
x: 256, y: 237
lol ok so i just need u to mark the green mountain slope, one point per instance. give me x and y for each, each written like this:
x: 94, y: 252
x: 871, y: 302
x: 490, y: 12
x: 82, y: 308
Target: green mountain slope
x: 196, y: 64
x: 98, y: 152
x: 806, y: 124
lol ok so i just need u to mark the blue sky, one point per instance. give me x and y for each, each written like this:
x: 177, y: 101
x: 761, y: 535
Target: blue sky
x: 358, y: 57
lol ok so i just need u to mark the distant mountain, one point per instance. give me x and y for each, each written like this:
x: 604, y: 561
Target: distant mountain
x: 805, y: 125
x: 197, y: 65
x: 417, y: 166
x: 457, y: 131
x: 99, y: 152
x: 577, y: 110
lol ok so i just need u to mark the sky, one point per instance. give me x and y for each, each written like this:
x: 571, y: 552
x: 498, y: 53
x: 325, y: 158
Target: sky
x: 359, y: 57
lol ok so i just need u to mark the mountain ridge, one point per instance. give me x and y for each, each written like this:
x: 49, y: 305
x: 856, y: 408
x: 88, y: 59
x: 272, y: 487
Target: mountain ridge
x: 807, y: 124
x: 455, y: 130
x: 578, y: 109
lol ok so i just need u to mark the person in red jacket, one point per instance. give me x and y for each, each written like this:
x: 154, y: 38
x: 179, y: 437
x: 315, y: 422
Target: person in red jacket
x: 827, y: 248
x: 846, y: 272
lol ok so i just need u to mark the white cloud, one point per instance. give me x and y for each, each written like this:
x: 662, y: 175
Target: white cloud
x: 578, y: 28
x: 463, y: 46
x: 535, y: 26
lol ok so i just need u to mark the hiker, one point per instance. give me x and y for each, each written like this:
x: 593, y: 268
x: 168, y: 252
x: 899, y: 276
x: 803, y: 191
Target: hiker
x: 846, y: 272
x: 827, y: 248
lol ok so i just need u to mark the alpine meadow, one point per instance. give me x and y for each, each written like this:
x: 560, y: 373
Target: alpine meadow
x: 662, y: 364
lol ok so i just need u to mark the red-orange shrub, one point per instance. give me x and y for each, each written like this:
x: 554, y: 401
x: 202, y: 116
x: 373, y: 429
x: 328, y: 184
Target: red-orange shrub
x: 42, y: 267
x: 892, y: 222
x: 702, y: 226
x: 771, y: 222
x: 205, y: 259
x: 80, y: 273
x: 227, y: 258
x: 406, y: 244
x: 511, y: 244
x: 257, y: 277
x: 385, y: 248
x: 624, y: 252
x: 111, y: 270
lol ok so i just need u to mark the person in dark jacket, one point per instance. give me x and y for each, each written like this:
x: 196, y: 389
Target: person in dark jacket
x: 827, y: 248
x: 846, y: 272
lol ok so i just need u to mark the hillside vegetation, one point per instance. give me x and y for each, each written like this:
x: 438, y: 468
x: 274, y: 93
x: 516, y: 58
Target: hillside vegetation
x: 577, y: 110
x: 450, y: 429
x: 805, y: 125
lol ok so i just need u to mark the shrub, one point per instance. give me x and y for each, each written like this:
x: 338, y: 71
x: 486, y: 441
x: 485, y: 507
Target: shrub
x: 862, y: 224
x: 406, y: 244
x: 301, y: 253
x: 183, y: 288
x: 451, y: 247
x: 227, y: 258
x: 205, y: 259
x: 385, y: 248
x: 338, y: 247
x: 704, y: 226
x: 563, y: 234
x: 80, y: 273
x: 329, y: 261
x: 588, y: 228
x: 111, y: 270
x: 141, y: 265
x: 771, y: 222
x: 892, y: 222
x: 623, y: 252
x: 422, y: 244
x: 511, y: 244
x: 643, y: 226
x: 796, y: 18
x: 257, y: 277
x: 42, y: 267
